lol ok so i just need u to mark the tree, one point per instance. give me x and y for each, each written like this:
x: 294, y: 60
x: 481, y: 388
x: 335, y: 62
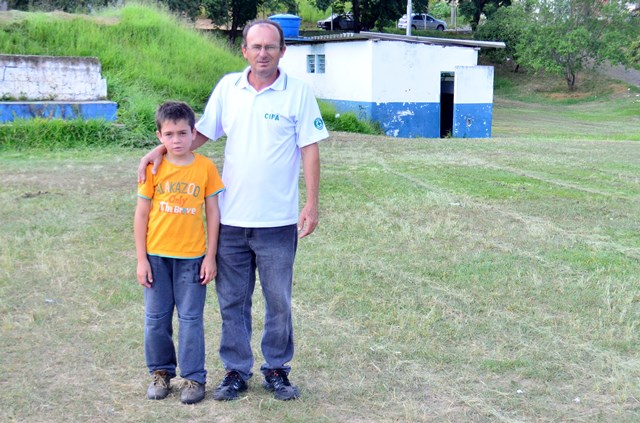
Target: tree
x: 507, y: 25
x: 64, y: 5
x: 474, y: 9
x: 380, y: 13
x: 18, y: 4
x: 370, y: 14
x: 440, y: 10
x: 565, y: 36
x: 279, y: 6
x: 190, y: 8
x: 235, y: 12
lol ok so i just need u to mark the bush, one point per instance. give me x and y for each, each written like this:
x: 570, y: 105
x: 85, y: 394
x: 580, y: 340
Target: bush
x: 347, y: 122
x: 507, y: 25
x: 440, y: 10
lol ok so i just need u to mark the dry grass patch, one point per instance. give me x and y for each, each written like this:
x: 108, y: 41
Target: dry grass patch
x: 448, y: 281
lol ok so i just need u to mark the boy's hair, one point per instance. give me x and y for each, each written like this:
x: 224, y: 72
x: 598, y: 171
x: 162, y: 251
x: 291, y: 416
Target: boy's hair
x: 250, y: 25
x: 174, y: 111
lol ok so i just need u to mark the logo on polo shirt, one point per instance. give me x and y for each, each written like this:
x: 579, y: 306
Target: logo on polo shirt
x: 318, y: 123
x: 272, y: 116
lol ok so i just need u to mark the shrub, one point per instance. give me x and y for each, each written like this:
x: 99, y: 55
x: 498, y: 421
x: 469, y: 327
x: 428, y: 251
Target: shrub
x: 347, y: 122
x: 440, y: 10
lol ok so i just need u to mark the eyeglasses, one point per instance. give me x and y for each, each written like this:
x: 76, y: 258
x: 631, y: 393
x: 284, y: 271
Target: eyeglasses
x: 257, y: 48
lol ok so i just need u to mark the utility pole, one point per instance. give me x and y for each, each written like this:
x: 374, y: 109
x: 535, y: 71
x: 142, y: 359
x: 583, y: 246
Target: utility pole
x: 454, y: 22
x: 332, y: 17
x: 409, y: 17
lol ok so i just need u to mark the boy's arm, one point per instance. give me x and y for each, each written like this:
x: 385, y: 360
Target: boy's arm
x: 209, y: 269
x: 140, y: 225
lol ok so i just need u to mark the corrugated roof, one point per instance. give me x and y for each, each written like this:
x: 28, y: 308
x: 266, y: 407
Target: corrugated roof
x: 350, y: 36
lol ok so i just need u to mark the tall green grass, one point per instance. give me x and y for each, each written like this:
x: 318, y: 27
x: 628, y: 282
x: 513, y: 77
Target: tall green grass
x: 147, y: 56
x: 61, y: 134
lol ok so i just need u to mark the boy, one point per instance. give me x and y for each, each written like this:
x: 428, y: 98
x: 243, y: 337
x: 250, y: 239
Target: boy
x: 174, y: 264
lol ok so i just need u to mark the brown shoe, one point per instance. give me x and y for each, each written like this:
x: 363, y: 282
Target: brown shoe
x: 192, y: 392
x: 159, y: 388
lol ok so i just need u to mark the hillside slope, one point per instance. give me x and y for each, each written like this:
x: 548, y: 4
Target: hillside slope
x: 147, y: 55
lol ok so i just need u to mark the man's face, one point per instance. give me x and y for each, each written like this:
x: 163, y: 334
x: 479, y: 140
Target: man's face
x: 263, y: 50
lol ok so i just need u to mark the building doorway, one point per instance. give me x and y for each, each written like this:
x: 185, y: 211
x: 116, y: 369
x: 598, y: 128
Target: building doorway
x: 446, y: 104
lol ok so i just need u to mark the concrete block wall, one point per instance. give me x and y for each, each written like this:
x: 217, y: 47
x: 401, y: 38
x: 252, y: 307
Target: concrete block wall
x: 51, y: 78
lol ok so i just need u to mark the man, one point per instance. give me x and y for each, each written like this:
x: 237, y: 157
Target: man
x: 271, y: 121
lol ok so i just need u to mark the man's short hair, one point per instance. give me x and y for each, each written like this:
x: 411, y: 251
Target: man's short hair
x: 174, y: 111
x: 250, y: 25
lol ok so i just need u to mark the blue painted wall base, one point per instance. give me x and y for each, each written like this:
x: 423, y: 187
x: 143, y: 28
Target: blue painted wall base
x: 472, y: 120
x: 402, y: 120
x: 421, y: 120
x: 12, y: 110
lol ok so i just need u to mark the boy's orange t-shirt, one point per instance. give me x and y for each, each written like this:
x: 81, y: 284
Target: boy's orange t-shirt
x: 176, y: 221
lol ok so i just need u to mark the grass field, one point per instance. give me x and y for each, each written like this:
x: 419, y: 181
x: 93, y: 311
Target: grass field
x: 449, y: 280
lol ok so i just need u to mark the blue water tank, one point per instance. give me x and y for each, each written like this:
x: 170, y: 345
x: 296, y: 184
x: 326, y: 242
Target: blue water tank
x: 290, y: 24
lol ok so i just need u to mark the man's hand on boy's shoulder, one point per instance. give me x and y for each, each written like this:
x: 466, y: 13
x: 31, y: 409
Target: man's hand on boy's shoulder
x: 153, y: 157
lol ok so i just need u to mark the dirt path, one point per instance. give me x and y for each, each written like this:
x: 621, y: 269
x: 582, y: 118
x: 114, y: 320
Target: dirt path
x: 628, y: 75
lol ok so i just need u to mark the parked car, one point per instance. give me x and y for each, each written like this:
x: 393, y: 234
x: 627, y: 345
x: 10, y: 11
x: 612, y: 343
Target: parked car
x: 340, y: 22
x: 422, y: 21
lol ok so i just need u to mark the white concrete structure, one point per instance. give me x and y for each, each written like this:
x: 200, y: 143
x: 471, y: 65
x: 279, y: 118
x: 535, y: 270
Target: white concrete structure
x: 53, y: 87
x: 412, y: 86
x: 51, y: 78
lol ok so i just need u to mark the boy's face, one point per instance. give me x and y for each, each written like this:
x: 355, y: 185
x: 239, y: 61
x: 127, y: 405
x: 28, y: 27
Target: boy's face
x: 177, y: 137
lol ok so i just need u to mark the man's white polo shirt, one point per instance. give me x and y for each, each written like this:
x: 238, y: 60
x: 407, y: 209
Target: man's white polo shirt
x: 265, y: 131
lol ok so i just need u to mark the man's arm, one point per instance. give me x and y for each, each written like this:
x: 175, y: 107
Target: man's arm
x: 140, y: 225
x: 155, y: 156
x: 311, y: 167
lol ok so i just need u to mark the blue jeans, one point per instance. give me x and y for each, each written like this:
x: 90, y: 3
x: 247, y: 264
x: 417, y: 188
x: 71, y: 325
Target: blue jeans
x: 176, y: 282
x: 240, y: 252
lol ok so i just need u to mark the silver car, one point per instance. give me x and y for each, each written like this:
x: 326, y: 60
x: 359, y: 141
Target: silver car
x: 422, y: 21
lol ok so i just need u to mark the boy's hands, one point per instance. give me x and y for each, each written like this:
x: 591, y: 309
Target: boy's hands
x: 145, y: 278
x: 208, y: 270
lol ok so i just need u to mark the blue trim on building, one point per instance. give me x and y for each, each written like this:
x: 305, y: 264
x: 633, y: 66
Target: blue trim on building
x: 10, y: 111
x: 403, y: 120
x: 421, y: 120
x: 472, y: 120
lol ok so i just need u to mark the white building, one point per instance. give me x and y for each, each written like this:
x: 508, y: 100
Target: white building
x: 413, y: 86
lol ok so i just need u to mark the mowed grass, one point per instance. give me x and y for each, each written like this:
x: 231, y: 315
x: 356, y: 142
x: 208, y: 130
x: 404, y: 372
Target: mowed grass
x: 449, y: 280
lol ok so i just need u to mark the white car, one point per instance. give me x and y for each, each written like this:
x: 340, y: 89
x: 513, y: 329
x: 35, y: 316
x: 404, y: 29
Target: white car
x: 422, y: 21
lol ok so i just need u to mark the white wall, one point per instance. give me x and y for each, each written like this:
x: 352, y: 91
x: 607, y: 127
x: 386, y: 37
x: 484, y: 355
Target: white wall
x: 410, y: 72
x: 378, y: 71
x: 348, y: 71
x: 474, y: 85
x: 51, y: 78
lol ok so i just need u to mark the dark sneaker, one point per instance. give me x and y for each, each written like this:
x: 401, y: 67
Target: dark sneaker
x: 192, y: 392
x: 278, y: 382
x: 159, y: 388
x: 230, y: 386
